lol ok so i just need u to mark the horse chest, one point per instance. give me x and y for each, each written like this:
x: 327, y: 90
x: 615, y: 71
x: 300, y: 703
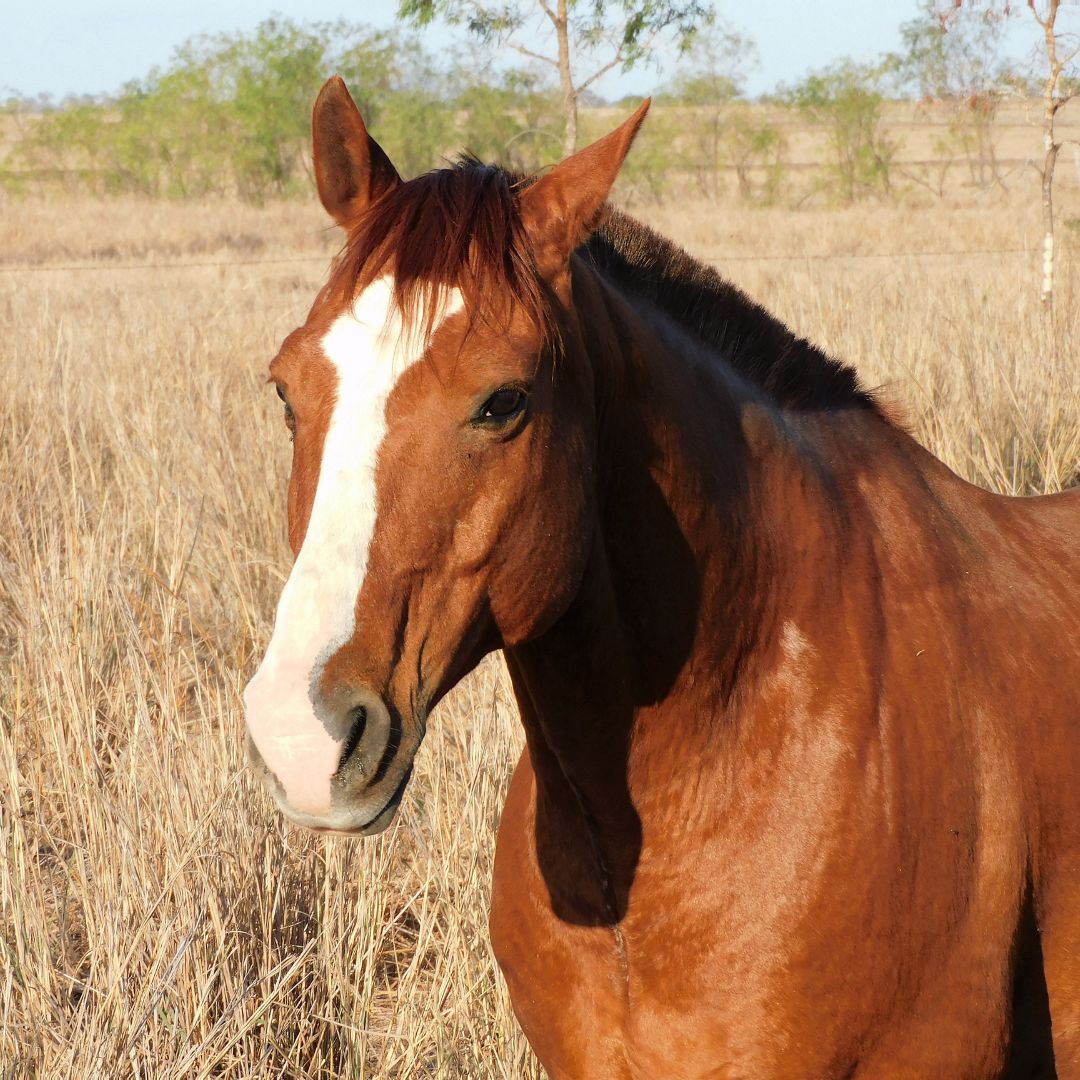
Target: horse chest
x: 711, y: 981
x: 669, y: 991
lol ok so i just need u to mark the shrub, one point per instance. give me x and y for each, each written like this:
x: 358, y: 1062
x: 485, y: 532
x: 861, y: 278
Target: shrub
x: 232, y: 112
x: 845, y: 100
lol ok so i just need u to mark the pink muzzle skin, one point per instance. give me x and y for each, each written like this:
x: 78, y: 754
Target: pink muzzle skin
x: 293, y: 743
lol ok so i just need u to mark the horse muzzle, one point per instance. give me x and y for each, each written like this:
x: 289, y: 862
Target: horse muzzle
x: 337, y: 763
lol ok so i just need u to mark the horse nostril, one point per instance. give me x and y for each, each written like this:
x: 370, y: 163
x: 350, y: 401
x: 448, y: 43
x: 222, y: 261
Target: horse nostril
x: 357, y: 724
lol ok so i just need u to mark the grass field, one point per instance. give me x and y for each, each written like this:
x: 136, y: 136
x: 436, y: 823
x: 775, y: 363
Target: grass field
x: 157, y: 918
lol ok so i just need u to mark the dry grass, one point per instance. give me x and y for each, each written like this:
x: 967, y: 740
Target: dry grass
x: 156, y: 917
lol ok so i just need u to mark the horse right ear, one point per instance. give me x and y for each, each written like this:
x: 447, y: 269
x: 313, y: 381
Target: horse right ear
x: 562, y: 208
x: 351, y: 169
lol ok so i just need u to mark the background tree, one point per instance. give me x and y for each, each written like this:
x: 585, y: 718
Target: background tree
x: 957, y: 67
x: 1061, y: 49
x: 709, y: 78
x: 722, y: 130
x: 604, y: 36
x: 512, y: 118
x: 846, y: 101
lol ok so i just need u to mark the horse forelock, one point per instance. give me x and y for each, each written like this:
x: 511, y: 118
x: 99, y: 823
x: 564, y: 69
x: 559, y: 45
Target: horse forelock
x: 457, y: 228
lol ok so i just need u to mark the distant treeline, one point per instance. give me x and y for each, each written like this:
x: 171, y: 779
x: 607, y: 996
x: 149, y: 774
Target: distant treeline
x: 230, y: 114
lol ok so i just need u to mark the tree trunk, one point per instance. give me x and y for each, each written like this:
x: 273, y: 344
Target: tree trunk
x: 1048, y: 214
x: 1050, y: 108
x: 566, y: 80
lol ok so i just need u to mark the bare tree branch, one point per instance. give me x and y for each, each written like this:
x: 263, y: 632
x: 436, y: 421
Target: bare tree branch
x: 535, y: 55
x: 619, y: 57
x: 599, y: 73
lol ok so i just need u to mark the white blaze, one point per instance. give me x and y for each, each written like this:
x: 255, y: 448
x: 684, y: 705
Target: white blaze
x: 369, y: 350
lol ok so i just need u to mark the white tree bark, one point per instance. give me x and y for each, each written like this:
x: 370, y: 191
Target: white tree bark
x: 1051, y: 103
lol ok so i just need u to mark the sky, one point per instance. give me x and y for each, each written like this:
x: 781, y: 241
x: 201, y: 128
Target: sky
x: 82, y: 46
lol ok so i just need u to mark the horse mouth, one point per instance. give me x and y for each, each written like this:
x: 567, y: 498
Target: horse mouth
x: 344, y: 821
x: 387, y: 814
x: 375, y: 825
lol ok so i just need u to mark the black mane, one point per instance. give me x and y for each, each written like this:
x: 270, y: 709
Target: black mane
x: 792, y: 371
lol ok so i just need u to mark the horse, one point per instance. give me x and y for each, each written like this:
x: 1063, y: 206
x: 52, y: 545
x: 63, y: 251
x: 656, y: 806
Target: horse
x: 800, y: 794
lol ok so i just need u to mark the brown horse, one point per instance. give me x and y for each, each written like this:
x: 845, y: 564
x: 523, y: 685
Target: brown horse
x: 801, y: 796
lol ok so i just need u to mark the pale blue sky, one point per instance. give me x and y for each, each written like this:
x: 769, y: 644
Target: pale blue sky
x: 83, y: 46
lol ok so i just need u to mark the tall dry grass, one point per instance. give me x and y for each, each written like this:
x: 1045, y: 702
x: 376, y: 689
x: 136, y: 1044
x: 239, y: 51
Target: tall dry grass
x: 157, y: 918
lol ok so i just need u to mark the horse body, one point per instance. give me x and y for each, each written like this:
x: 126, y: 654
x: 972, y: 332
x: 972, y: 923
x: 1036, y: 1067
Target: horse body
x: 799, y: 795
x: 823, y: 872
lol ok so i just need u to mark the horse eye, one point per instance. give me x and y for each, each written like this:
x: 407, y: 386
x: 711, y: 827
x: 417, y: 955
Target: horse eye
x: 503, y: 404
x: 290, y: 416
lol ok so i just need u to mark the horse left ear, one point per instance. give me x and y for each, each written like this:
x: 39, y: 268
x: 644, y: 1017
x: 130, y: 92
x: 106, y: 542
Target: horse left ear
x: 562, y: 208
x: 351, y: 169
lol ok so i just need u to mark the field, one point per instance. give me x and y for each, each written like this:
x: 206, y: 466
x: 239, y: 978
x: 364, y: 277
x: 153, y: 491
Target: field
x: 157, y: 918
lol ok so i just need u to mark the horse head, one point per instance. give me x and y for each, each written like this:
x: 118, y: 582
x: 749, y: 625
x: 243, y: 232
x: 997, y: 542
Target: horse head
x: 441, y: 501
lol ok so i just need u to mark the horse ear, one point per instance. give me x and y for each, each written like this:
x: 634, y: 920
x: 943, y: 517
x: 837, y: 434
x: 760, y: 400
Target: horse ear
x: 563, y: 206
x: 351, y: 169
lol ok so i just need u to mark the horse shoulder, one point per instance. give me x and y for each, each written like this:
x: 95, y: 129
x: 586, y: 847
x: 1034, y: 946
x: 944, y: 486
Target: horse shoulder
x: 559, y: 974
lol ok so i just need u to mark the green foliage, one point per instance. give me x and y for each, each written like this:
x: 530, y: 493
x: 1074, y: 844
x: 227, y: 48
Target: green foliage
x: 232, y: 112
x: 846, y: 101
x: 718, y: 132
x: 416, y: 129
x: 515, y: 121
x: 757, y: 151
x: 13, y: 112
x: 631, y: 26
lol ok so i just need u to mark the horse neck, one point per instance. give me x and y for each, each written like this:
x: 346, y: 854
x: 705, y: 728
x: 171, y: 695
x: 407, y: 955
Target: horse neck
x: 637, y: 676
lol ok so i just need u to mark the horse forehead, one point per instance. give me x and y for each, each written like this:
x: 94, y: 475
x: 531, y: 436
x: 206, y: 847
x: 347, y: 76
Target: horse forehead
x: 370, y: 335
x: 348, y: 360
x: 337, y: 335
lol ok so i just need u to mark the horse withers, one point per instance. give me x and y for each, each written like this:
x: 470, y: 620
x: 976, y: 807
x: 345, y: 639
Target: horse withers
x: 801, y: 793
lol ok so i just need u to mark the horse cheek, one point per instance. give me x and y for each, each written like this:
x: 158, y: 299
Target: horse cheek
x: 303, y: 479
x: 541, y: 564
